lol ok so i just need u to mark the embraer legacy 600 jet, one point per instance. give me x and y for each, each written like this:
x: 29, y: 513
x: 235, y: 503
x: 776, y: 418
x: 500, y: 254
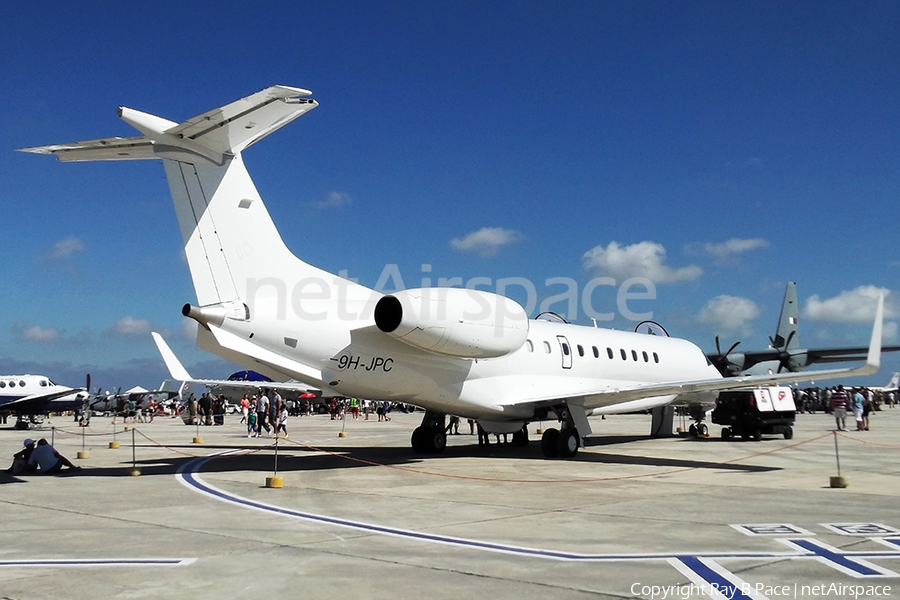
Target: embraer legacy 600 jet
x: 451, y: 351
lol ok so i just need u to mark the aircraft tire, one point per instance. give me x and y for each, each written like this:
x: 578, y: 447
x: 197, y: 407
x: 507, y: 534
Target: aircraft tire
x: 520, y: 438
x: 788, y: 432
x: 568, y: 442
x: 437, y: 440
x: 757, y: 434
x: 549, y: 443
x: 419, y: 441
x: 726, y: 433
x: 703, y: 430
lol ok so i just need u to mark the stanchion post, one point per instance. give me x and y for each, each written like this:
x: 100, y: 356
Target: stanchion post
x: 84, y: 453
x: 838, y: 481
x: 133, y: 471
x: 275, y: 481
x: 114, y: 443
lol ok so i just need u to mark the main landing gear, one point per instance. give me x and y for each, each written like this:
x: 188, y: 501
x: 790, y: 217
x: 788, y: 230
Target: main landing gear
x: 564, y: 442
x: 431, y: 436
x: 560, y: 443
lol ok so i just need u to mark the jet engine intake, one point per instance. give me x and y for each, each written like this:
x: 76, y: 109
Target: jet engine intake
x: 454, y: 321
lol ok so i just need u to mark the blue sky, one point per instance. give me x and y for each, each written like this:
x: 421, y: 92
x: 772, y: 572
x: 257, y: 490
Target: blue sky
x: 719, y: 149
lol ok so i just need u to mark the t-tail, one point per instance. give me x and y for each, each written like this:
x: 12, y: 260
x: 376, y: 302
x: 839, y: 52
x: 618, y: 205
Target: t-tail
x: 238, y: 261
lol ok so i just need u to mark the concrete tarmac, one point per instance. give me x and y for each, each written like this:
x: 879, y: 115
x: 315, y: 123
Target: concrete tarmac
x: 362, y: 516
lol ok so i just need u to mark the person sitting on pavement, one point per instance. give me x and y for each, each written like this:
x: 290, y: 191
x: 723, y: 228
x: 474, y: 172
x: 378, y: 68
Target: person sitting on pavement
x: 48, y: 460
x: 20, y: 459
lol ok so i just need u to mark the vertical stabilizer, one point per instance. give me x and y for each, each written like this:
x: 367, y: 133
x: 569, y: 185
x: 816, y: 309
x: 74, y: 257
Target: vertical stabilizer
x: 239, y: 264
x: 787, y: 336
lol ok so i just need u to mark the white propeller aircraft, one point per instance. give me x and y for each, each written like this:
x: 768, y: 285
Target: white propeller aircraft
x: 29, y: 396
x: 452, y: 351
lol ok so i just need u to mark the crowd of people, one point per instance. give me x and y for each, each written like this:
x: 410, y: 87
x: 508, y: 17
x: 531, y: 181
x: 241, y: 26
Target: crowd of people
x: 859, y: 402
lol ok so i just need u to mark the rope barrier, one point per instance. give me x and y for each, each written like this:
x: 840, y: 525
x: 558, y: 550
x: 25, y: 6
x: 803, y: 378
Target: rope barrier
x: 866, y: 442
x: 362, y: 461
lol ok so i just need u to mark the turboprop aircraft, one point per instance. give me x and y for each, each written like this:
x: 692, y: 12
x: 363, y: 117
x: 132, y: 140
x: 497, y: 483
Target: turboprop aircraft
x: 784, y: 352
x: 29, y: 396
x: 451, y: 351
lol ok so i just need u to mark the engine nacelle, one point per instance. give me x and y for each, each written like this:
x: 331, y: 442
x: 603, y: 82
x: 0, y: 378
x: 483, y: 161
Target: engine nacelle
x: 454, y: 321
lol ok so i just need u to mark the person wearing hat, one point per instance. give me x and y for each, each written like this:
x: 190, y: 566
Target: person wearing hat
x: 20, y: 458
x: 48, y: 459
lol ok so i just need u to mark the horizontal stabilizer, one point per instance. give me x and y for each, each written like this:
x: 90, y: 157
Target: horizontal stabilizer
x: 114, y: 148
x: 214, y: 135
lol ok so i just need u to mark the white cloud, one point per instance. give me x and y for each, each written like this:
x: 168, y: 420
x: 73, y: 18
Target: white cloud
x: 487, y: 240
x: 335, y: 200
x: 727, y: 249
x: 36, y: 333
x: 731, y: 314
x: 853, y: 306
x: 64, y: 248
x: 128, y: 325
x: 890, y: 331
x: 644, y: 259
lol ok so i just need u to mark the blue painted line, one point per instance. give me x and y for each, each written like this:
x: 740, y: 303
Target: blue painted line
x: 716, y: 581
x: 836, y: 558
x: 188, y: 475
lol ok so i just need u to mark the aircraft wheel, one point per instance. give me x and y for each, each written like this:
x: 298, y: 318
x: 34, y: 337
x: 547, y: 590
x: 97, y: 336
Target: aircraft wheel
x: 702, y: 429
x: 726, y: 433
x: 549, y: 441
x: 418, y: 440
x: 757, y: 434
x: 788, y: 432
x: 692, y: 430
x: 437, y: 440
x: 520, y: 438
x: 568, y: 442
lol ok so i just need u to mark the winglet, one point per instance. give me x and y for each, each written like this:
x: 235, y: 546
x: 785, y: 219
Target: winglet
x: 176, y: 369
x: 873, y: 358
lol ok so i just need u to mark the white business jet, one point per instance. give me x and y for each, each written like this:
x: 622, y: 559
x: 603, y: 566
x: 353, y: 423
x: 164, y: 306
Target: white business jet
x: 452, y: 351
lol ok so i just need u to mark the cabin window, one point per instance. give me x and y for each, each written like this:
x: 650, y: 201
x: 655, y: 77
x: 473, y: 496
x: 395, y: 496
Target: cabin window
x: 565, y: 349
x: 547, y: 347
x: 634, y: 355
x: 529, y: 345
x: 624, y: 354
x: 596, y: 352
x: 580, y: 350
x: 2, y: 384
x: 646, y: 358
x: 609, y: 353
x: 43, y: 383
x: 655, y: 358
